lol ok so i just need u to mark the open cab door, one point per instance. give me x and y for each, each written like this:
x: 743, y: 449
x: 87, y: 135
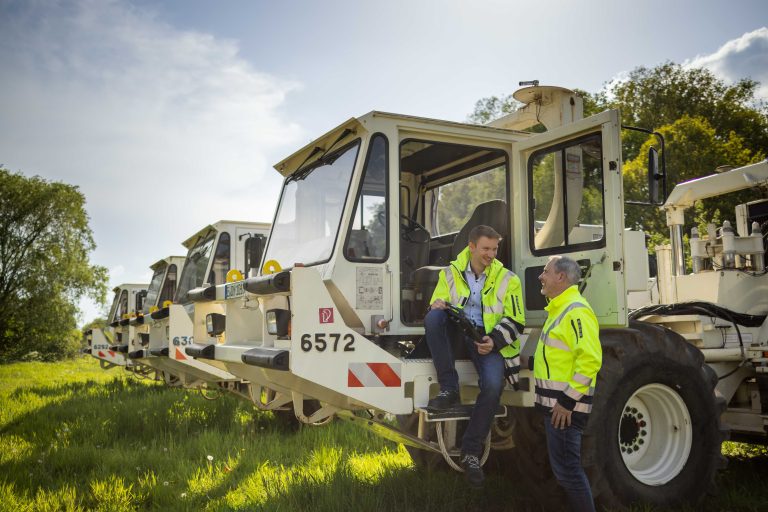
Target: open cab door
x: 569, y: 201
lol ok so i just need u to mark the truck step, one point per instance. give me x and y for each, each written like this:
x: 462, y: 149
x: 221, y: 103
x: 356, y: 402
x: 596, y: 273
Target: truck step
x: 459, y: 412
x: 200, y: 351
x: 136, y: 354
x: 267, y: 357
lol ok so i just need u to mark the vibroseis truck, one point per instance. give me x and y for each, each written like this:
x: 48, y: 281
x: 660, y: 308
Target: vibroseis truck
x: 370, y: 212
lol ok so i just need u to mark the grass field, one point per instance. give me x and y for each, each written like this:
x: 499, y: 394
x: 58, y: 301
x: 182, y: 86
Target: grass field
x: 76, y: 437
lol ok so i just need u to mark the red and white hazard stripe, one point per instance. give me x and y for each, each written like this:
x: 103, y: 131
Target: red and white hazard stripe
x: 374, y: 375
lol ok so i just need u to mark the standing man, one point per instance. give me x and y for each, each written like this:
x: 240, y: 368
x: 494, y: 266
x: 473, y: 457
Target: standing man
x: 490, y: 296
x: 566, y: 363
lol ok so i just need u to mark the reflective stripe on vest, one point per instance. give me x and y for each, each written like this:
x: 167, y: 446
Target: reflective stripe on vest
x: 578, y: 395
x: 555, y: 385
x: 506, y: 325
x: 512, y: 365
x: 498, y: 307
x: 554, y: 342
x: 451, y: 285
x: 550, y: 402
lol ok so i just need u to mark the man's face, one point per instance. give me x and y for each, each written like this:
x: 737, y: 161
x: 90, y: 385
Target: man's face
x: 484, y: 251
x: 551, y: 281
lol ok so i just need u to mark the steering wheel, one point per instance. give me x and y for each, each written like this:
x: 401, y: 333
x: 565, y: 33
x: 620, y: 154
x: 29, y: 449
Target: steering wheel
x: 411, y: 227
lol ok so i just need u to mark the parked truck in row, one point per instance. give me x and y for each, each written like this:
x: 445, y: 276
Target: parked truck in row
x: 109, y: 344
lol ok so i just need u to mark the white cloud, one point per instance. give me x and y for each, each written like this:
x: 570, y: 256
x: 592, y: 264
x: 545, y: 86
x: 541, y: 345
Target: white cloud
x: 116, y: 272
x: 743, y: 57
x: 164, y: 130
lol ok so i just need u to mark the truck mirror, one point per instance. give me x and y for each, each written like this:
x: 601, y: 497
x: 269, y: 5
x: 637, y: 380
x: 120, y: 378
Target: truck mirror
x: 140, y: 300
x: 254, y: 249
x: 653, y: 176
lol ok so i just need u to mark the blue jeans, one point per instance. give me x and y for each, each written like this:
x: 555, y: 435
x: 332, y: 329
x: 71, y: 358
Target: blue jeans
x: 564, y: 447
x: 490, y: 370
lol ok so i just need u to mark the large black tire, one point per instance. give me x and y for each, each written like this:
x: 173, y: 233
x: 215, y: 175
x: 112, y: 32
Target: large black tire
x: 638, y: 445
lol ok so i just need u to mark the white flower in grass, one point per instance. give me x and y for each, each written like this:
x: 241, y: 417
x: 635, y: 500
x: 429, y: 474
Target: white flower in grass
x: 210, y: 458
x: 165, y: 449
x: 165, y: 483
x: 183, y: 495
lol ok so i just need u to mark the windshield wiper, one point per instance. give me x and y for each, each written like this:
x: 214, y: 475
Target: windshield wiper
x: 303, y: 173
x: 322, y: 160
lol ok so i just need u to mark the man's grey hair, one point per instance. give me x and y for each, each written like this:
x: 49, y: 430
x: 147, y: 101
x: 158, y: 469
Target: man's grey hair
x: 567, y: 266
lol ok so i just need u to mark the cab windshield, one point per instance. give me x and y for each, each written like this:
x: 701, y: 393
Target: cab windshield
x: 195, y: 266
x: 310, y: 209
x: 154, y: 289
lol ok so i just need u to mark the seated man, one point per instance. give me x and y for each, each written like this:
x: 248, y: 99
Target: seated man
x: 490, y: 296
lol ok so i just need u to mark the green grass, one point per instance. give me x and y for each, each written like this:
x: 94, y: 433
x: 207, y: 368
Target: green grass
x: 76, y: 437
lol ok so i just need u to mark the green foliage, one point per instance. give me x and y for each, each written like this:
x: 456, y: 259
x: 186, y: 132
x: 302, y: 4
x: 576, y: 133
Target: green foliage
x: 655, y: 97
x: 458, y: 200
x: 692, y: 145
x: 45, y: 242
x: 492, y: 107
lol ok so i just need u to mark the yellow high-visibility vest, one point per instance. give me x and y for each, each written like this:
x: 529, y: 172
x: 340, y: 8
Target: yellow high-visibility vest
x: 502, y: 303
x: 568, y: 355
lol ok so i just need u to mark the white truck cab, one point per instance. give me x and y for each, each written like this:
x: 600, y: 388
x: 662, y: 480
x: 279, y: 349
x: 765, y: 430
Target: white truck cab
x: 110, y: 345
x: 214, y: 252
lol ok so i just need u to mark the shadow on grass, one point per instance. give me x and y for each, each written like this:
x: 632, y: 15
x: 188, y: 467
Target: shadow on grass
x: 400, y: 488
x: 58, y: 390
x: 153, y: 438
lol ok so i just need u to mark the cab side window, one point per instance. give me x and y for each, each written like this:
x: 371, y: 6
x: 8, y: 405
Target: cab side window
x: 566, y: 197
x: 367, y: 239
x: 221, y: 259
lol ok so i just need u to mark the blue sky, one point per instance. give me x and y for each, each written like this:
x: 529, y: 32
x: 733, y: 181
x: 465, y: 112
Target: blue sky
x: 169, y: 114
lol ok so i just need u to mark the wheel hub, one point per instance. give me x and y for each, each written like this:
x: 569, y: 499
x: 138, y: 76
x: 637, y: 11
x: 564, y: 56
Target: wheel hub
x: 632, y: 431
x: 655, y: 434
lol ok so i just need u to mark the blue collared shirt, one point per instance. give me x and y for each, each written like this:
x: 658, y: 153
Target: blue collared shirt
x: 474, y: 306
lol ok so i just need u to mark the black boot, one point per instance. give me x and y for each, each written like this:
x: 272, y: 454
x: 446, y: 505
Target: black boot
x: 444, y: 400
x: 473, y: 471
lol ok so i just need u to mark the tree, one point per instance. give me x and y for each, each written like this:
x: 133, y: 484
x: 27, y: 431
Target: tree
x: 693, y: 149
x: 45, y: 242
x: 655, y: 97
x: 492, y: 107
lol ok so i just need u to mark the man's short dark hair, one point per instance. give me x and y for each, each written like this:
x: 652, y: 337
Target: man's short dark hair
x: 482, y: 230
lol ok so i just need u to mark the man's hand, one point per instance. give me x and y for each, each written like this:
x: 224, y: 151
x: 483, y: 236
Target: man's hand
x: 438, y: 304
x: 485, y: 346
x: 561, y: 417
